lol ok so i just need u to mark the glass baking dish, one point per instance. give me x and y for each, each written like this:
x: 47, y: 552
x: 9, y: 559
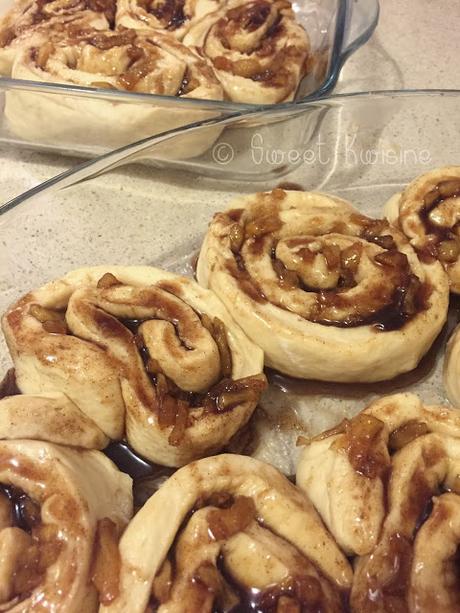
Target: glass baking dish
x: 363, y: 148
x: 87, y: 121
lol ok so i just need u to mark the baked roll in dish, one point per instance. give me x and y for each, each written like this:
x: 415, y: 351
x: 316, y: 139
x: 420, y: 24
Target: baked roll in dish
x: 327, y: 293
x: 452, y: 368
x: 257, y: 48
x: 125, y: 61
x: 61, y: 513
x: 140, y: 350
x: 229, y: 533
x: 174, y: 16
x: 428, y: 212
x: 28, y: 18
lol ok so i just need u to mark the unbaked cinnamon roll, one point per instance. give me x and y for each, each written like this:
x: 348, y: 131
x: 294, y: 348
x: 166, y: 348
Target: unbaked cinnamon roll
x: 153, y: 63
x: 257, y: 48
x: 27, y: 19
x: 140, y: 350
x: 327, y: 293
x: 428, y: 212
x: 452, y: 368
x: 174, y: 16
x: 354, y: 459
x: 229, y: 533
x: 414, y: 563
x: 61, y: 514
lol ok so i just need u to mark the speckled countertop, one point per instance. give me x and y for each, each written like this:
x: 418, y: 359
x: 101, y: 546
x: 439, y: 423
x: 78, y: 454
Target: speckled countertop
x: 416, y: 45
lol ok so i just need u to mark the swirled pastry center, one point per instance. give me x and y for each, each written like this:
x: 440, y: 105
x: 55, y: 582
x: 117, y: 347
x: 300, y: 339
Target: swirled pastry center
x: 226, y: 559
x: 326, y: 271
x: 169, y: 13
x: 178, y: 361
x: 255, y: 30
x: 119, y: 60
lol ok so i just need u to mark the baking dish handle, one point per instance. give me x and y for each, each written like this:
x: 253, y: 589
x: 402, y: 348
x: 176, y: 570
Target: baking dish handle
x: 360, y: 21
x: 356, y: 21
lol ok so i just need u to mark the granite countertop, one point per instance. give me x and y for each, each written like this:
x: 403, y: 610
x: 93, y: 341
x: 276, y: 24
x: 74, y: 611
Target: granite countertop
x: 415, y: 45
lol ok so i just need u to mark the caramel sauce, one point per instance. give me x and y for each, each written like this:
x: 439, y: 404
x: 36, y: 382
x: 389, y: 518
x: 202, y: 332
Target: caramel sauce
x: 237, y: 270
x: 235, y: 214
x: 364, y: 445
x: 26, y: 513
x: 107, y: 7
x: 292, y: 187
x: 299, y: 593
x: 406, y: 433
x: 8, y: 385
x: 169, y: 12
x: 6, y: 37
x: 106, y: 563
x: 147, y: 476
x: 387, y: 590
x: 433, y: 199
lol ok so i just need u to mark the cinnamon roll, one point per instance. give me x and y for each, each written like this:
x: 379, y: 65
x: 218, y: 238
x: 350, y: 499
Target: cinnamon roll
x: 257, y: 48
x: 452, y: 368
x: 229, y: 533
x: 141, y: 350
x: 354, y: 458
x: 415, y: 565
x: 32, y: 20
x: 428, y: 212
x: 61, y: 512
x: 174, y: 16
x: 127, y: 61
x: 326, y: 292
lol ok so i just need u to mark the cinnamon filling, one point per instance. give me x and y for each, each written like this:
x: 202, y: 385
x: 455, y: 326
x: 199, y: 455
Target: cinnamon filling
x: 213, y: 586
x: 51, y: 320
x: 387, y: 589
x: 248, y: 18
x: 388, y: 307
x: 363, y: 443
x: 441, y: 217
x: 29, y: 546
x: 406, y: 433
x: 105, y: 573
x: 7, y: 35
x: 139, y: 67
x: 106, y: 7
x: 170, y: 13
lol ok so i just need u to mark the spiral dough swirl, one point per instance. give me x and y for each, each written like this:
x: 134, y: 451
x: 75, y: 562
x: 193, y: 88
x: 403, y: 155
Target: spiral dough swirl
x: 393, y: 501
x: 229, y: 532
x: 140, y: 351
x: 326, y: 292
x: 257, y: 48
